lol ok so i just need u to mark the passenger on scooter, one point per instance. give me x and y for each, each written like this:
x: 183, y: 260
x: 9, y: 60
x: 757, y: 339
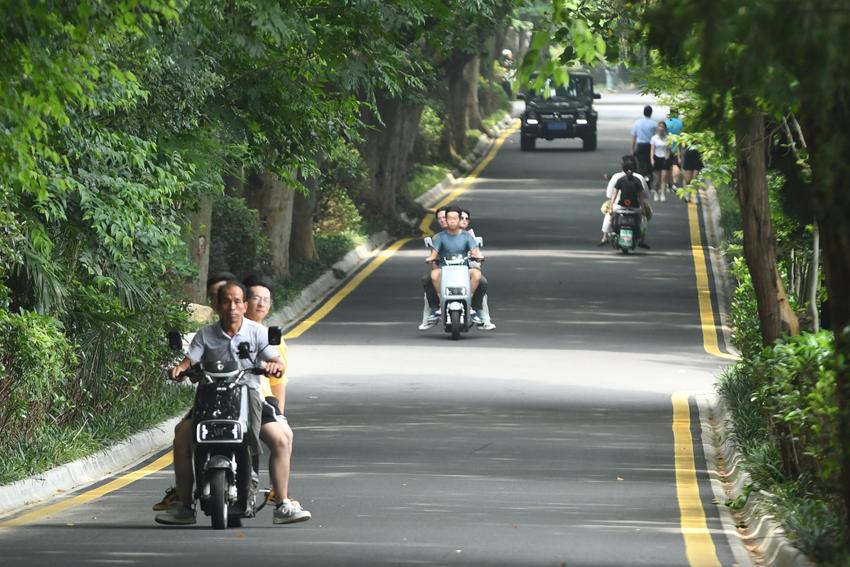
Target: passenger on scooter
x: 627, y: 161
x: 629, y: 194
x: 487, y: 324
x: 430, y: 295
x: 218, y: 342
x: 272, y: 388
x: 452, y: 242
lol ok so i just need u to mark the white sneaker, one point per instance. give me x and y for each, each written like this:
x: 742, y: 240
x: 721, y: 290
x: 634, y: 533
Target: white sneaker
x: 655, y: 195
x: 664, y: 196
x: 487, y: 327
x: 427, y: 325
x: 177, y: 514
x: 290, y: 512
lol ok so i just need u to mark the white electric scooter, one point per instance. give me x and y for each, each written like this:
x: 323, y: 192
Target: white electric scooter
x: 456, y: 292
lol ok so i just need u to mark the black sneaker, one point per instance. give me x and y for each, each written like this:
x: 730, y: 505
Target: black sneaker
x: 643, y: 245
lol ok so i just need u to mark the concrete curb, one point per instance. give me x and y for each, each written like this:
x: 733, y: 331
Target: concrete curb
x: 30, y: 491
x: 723, y: 284
x: 485, y: 142
x: 327, y: 282
x: 760, y: 533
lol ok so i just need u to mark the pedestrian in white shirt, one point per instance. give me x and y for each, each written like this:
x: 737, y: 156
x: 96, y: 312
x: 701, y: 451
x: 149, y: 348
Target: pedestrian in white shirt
x: 661, y: 162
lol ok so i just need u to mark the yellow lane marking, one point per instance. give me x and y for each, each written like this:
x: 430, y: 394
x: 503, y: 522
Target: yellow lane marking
x: 330, y: 304
x: 388, y: 252
x: 699, y: 547
x: 467, y: 182
x: 89, y: 495
x: 706, y: 313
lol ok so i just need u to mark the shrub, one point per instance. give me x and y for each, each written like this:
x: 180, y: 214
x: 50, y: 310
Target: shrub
x: 743, y: 312
x: 336, y: 212
x: 36, y: 364
x: 237, y: 241
x: 426, y: 148
x: 492, y: 97
x: 798, y: 389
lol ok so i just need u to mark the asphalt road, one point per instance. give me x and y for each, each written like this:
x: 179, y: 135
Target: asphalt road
x: 547, y: 441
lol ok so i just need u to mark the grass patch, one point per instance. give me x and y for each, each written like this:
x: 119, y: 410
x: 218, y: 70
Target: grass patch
x: 493, y: 119
x: 331, y: 249
x: 472, y: 137
x: 422, y: 177
x: 54, y: 446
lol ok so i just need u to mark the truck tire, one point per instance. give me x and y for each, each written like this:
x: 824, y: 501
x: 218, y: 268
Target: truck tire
x: 588, y: 143
x: 527, y: 143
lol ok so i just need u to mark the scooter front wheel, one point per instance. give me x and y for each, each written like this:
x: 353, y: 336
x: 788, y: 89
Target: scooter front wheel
x: 455, y: 324
x: 218, y: 498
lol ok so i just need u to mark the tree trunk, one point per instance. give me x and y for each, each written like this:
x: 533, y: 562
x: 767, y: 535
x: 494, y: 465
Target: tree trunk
x: 473, y: 112
x: 814, y: 278
x: 197, y: 237
x: 452, y: 146
x: 386, y: 147
x: 274, y: 202
x: 524, y: 42
x: 302, y: 246
x: 759, y: 251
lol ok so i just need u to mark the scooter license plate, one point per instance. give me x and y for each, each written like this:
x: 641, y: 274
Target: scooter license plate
x: 626, y: 237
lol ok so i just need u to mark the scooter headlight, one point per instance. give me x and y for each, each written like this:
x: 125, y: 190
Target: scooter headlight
x: 456, y: 291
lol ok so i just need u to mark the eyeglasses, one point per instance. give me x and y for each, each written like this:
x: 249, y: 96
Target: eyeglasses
x: 260, y: 300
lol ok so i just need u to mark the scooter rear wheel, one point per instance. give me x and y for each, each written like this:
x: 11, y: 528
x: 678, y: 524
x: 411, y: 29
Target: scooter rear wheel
x: 455, y: 324
x: 218, y: 498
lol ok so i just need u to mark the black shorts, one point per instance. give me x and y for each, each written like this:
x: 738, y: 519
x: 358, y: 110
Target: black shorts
x: 271, y: 410
x: 692, y: 161
x: 674, y: 160
x: 662, y: 164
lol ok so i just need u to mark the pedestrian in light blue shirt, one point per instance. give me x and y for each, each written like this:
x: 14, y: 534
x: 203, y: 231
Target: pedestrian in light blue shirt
x: 675, y: 127
x: 642, y: 133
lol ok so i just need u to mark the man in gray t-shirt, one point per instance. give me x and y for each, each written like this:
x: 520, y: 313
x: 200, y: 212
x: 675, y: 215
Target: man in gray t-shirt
x: 220, y: 342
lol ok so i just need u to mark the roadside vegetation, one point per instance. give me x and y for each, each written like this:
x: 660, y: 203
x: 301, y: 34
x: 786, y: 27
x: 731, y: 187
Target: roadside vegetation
x: 149, y: 143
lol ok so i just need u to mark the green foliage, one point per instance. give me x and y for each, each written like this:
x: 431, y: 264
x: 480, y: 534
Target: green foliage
x: 331, y: 248
x: 426, y: 149
x: 793, y: 384
x: 336, y: 213
x: 472, y: 137
x: 743, y: 312
x: 238, y: 243
x: 423, y: 177
x: 37, y: 364
x: 799, y: 390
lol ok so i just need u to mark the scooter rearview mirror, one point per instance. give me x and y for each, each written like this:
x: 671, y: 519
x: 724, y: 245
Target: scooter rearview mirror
x: 275, y: 335
x: 175, y: 341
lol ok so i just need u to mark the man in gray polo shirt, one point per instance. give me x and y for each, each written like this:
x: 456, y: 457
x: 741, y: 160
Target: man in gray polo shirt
x: 220, y: 342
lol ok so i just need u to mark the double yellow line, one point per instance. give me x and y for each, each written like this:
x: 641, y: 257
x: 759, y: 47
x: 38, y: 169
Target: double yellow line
x: 699, y: 546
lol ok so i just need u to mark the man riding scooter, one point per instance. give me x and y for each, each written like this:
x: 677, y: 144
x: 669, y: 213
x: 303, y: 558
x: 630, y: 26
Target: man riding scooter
x: 457, y: 242
x: 629, y: 191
